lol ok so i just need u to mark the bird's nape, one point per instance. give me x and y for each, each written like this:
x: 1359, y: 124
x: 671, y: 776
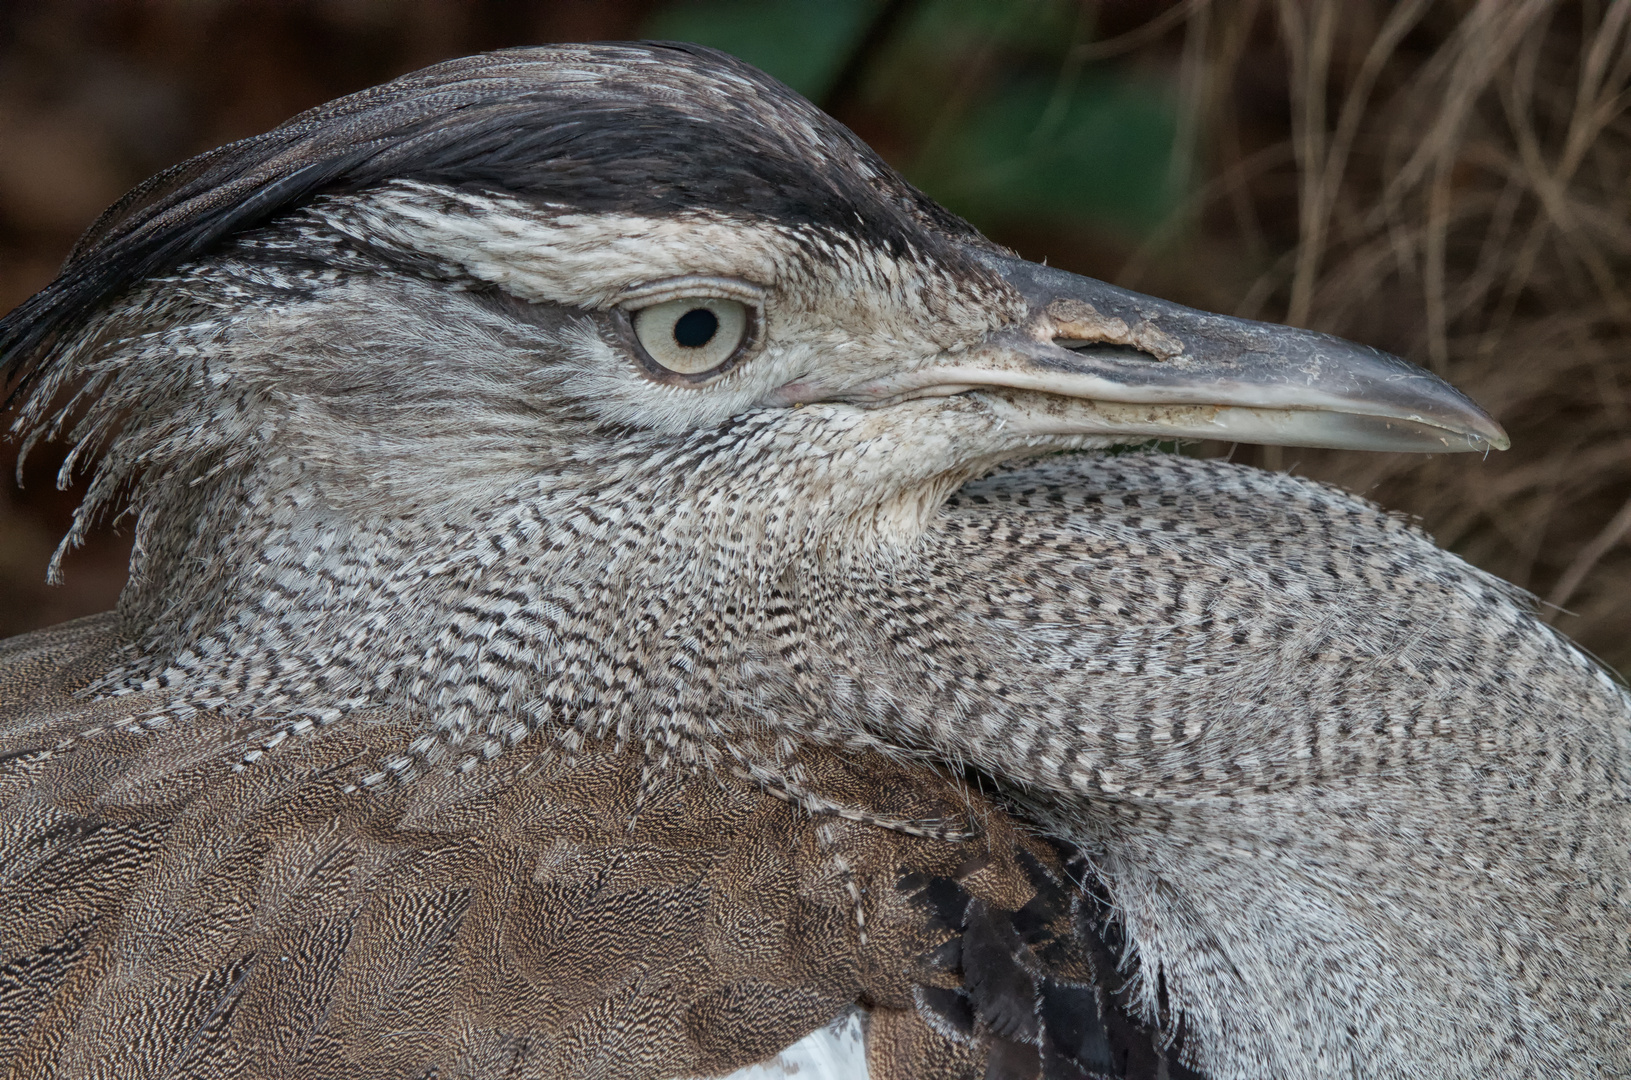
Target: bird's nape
x: 568, y: 571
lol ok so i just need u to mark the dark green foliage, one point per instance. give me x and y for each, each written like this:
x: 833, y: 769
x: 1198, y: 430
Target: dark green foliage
x: 1001, y: 124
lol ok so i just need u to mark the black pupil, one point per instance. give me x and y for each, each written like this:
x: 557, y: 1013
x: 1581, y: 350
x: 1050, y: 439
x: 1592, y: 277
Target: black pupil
x: 696, y: 328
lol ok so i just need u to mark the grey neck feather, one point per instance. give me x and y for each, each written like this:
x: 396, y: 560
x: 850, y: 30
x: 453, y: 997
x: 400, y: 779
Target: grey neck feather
x: 328, y: 512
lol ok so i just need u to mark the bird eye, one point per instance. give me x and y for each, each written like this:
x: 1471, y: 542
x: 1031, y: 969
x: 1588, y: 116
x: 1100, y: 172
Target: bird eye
x: 692, y: 335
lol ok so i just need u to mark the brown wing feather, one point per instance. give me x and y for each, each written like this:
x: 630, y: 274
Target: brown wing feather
x: 171, y: 913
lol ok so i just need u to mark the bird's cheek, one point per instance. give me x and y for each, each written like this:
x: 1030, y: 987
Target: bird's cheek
x: 801, y: 391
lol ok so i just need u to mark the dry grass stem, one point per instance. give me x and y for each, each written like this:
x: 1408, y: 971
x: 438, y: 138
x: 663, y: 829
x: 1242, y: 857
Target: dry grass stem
x: 1462, y: 180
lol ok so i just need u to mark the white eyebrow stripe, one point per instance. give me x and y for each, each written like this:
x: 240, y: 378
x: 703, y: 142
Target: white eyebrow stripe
x: 586, y: 260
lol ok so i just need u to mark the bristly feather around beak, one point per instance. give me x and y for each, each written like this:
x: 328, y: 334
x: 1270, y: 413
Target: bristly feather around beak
x: 1092, y: 359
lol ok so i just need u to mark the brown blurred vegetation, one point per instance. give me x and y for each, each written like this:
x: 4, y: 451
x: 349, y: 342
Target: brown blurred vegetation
x: 1445, y: 179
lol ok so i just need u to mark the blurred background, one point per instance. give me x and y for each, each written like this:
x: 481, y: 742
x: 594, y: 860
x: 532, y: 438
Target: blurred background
x: 1445, y: 179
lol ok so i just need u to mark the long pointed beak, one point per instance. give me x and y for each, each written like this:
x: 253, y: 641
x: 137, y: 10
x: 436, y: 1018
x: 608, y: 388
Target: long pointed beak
x: 1097, y: 360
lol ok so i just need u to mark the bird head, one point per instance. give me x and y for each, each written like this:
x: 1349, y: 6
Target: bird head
x: 543, y: 301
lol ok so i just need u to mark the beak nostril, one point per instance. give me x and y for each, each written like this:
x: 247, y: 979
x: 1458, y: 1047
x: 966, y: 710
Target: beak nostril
x: 1118, y: 353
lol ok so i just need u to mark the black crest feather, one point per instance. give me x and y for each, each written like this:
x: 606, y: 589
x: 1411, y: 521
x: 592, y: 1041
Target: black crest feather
x: 653, y: 127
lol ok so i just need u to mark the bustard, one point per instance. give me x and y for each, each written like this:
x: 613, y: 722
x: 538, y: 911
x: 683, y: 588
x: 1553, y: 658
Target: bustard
x: 591, y: 615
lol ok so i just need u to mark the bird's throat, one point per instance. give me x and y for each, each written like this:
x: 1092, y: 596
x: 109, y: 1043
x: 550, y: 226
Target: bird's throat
x: 580, y: 607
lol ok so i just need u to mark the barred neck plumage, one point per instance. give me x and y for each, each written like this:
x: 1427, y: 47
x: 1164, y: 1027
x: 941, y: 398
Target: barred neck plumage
x: 391, y: 482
